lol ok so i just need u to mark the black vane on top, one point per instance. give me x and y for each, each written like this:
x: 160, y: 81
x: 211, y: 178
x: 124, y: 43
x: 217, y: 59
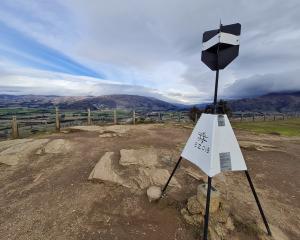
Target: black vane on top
x: 221, y: 46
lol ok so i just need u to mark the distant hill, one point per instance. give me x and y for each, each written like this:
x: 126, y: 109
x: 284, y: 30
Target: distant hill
x: 100, y: 102
x: 121, y: 102
x: 272, y: 102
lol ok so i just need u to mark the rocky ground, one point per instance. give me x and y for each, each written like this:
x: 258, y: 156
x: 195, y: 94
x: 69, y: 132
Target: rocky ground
x: 90, y: 183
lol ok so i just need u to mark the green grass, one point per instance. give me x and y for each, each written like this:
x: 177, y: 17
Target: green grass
x: 21, y: 111
x: 289, y: 127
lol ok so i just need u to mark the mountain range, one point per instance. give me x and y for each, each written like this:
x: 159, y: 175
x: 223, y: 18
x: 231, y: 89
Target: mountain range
x: 273, y: 102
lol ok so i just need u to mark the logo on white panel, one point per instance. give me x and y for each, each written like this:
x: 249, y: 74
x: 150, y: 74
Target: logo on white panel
x: 202, y: 142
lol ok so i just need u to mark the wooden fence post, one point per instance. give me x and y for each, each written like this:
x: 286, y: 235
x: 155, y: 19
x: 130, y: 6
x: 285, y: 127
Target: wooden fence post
x: 57, y: 120
x: 115, y: 117
x: 46, y: 125
x: 274, y: 117
x: 264, y: 117
x: 253, y: 117
x: 282, y: 116
x: 242, y: 116
x: 14, y: 126
x: 89, y: 116
x: 179, y: 116
x: 133, y: 117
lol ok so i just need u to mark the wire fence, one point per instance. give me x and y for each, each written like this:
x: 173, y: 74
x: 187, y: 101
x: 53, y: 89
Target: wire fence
x: 25, y: 123
x: 28, y: 123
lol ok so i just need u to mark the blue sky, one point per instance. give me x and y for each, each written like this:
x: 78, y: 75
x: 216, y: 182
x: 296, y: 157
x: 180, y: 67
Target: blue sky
x: 25, y: 51
x: 151, y: 48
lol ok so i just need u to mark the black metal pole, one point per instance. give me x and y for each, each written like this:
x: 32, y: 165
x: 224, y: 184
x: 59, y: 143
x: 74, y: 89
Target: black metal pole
x: 258, y: 203
x: 217, y: 76
x: 173, y: 172
x: 206, y: 216
x: 216, y: 91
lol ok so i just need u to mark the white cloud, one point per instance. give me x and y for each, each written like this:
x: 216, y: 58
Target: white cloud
x: 154, y: 47
x: 29, y: 81
x: 261, y: 84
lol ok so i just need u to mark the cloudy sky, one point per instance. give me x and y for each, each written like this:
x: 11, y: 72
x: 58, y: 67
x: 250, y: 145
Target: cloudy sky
x: 145, y: 47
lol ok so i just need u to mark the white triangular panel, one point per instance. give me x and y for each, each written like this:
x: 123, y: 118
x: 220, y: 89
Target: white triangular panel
x: 213, y: 146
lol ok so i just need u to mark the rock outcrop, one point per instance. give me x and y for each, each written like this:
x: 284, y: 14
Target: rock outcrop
x: 104, y: 171
x: 56, y: 146
x: 142, y: 168
x: 14, y: 151
x: 147, y: 157
x: 220, y: 221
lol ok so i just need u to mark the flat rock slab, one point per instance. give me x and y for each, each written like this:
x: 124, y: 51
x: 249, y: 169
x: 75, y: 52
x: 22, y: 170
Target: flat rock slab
x: 257, y: 146
x: 147, y: 157
x: 89, y: 128
x: 11, y: 143
x: 194, y: 173
x: 104, y: 171
x: 56, y: 146
x: 14, y: 151
x: 108, y: 135
x: 119, y: 129
x: 154, y: 176
x: 134, y: 171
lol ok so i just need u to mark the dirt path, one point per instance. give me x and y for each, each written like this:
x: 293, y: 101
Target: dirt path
x: 47, y: 195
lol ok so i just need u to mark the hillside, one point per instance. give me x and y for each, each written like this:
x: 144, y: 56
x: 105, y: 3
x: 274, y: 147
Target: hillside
x: 272, y: 102
x: 100, y: 102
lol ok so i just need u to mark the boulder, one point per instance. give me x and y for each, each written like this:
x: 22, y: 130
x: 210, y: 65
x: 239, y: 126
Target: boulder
x: 154, y: 193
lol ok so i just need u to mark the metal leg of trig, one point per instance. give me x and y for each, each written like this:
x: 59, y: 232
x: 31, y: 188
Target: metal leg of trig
x: 174, y: 170
x: 258, y: 203
x: 206, y: 217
